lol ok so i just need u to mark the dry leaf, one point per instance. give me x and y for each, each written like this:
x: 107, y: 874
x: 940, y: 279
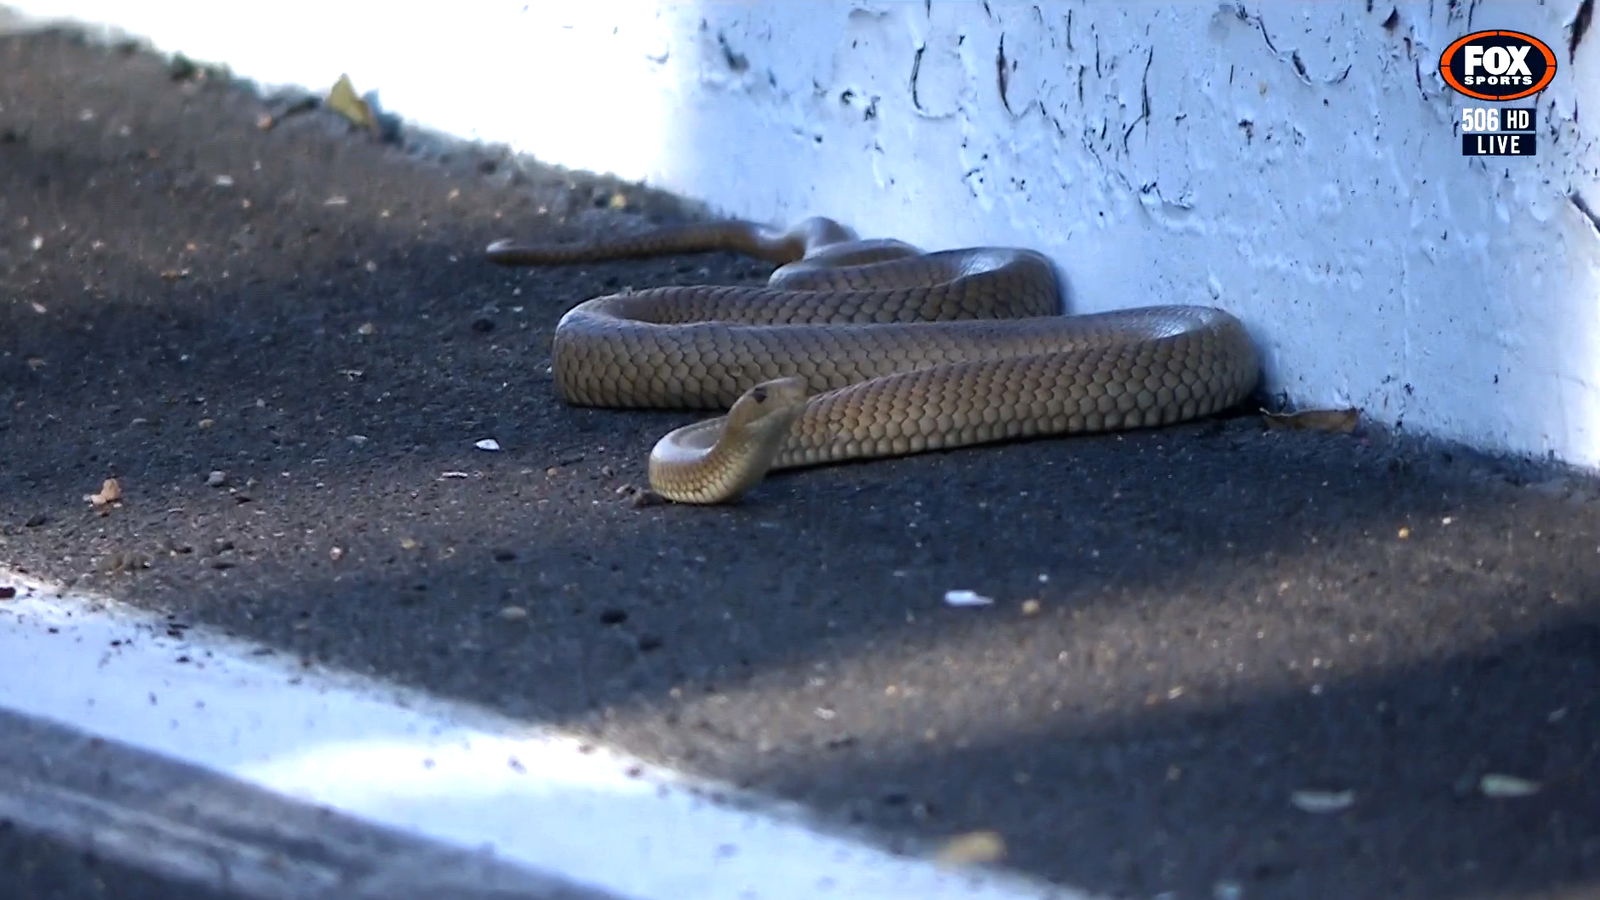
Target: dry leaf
x: 1338, y: 421
x: 343, y: 100
x: 972, y: 848
x: 110, y: 492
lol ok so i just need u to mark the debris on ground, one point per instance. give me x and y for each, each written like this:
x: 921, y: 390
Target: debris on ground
x: 966, y: 598
x: 1322, y: 801
x: 110, y: 492
x: 972, y: 848
x: 640, y: 497
x: 344, y: 100
x: 1337, y: 421
x: 1500, y: 787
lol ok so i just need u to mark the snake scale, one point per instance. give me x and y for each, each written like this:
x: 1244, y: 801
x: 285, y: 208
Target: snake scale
x: 870, y: 348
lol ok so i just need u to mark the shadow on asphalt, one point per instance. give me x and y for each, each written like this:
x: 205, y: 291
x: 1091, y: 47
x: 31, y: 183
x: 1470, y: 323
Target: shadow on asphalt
x: 1225, y: 616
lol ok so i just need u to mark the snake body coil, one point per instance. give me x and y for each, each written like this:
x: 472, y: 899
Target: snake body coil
x: 872, y: 348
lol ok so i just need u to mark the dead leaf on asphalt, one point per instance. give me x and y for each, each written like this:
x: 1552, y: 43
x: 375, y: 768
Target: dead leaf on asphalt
x: 972, y: 848
x: 344, y: 100
x: 110, y: 492
x: 1337, y: 421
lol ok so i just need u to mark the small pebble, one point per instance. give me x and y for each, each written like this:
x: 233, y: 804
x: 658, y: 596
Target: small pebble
x: 641, y: 498
x: 966, y: 598
x: 1031, y: 607
x: 217, y: 478
x: 513, y: 613
x: 1500, y: 786
x: 1227, y: 890
x: 1316, y: 801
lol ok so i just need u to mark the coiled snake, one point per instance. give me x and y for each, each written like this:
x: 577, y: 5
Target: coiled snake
x: 872, y: 348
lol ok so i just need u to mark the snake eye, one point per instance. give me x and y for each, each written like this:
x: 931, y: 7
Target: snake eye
x: 759, y: 394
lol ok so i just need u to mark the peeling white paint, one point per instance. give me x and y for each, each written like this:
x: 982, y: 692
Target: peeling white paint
x: 1296, y: 163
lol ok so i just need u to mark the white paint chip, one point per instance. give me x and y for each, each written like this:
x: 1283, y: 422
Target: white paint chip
x: 455, y: 774
x: 966, y: 598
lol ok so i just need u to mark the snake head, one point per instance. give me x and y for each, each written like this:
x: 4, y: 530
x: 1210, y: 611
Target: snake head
x: 770, y: 405
x: 717, y: 460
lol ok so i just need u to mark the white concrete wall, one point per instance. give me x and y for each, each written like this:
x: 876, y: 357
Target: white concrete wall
x: 1293, y: 162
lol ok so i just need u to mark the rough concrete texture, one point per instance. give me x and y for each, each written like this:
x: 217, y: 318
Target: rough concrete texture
x: 1191, y: 625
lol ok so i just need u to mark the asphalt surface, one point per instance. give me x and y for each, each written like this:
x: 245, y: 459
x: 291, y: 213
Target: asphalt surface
x: 1224, y: 615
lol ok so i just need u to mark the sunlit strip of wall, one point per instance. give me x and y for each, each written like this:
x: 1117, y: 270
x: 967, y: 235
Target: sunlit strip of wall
x: 582, y: 84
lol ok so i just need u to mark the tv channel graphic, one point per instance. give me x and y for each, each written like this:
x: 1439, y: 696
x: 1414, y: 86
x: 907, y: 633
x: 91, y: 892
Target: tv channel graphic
x: 1498, y: 66
x: 1496, y: 131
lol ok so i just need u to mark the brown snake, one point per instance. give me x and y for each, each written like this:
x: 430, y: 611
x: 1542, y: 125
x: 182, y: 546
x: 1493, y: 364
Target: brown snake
x: 872, y: 348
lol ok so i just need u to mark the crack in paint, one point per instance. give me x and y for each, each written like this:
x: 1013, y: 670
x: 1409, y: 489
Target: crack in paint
x: 736, y: 61
x: 1578, y: 27
x: 1002, y: 76
x: 916, y: 69
x: 1582, y: 206
x: 1144, y: 90
x: 1293, y: 58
